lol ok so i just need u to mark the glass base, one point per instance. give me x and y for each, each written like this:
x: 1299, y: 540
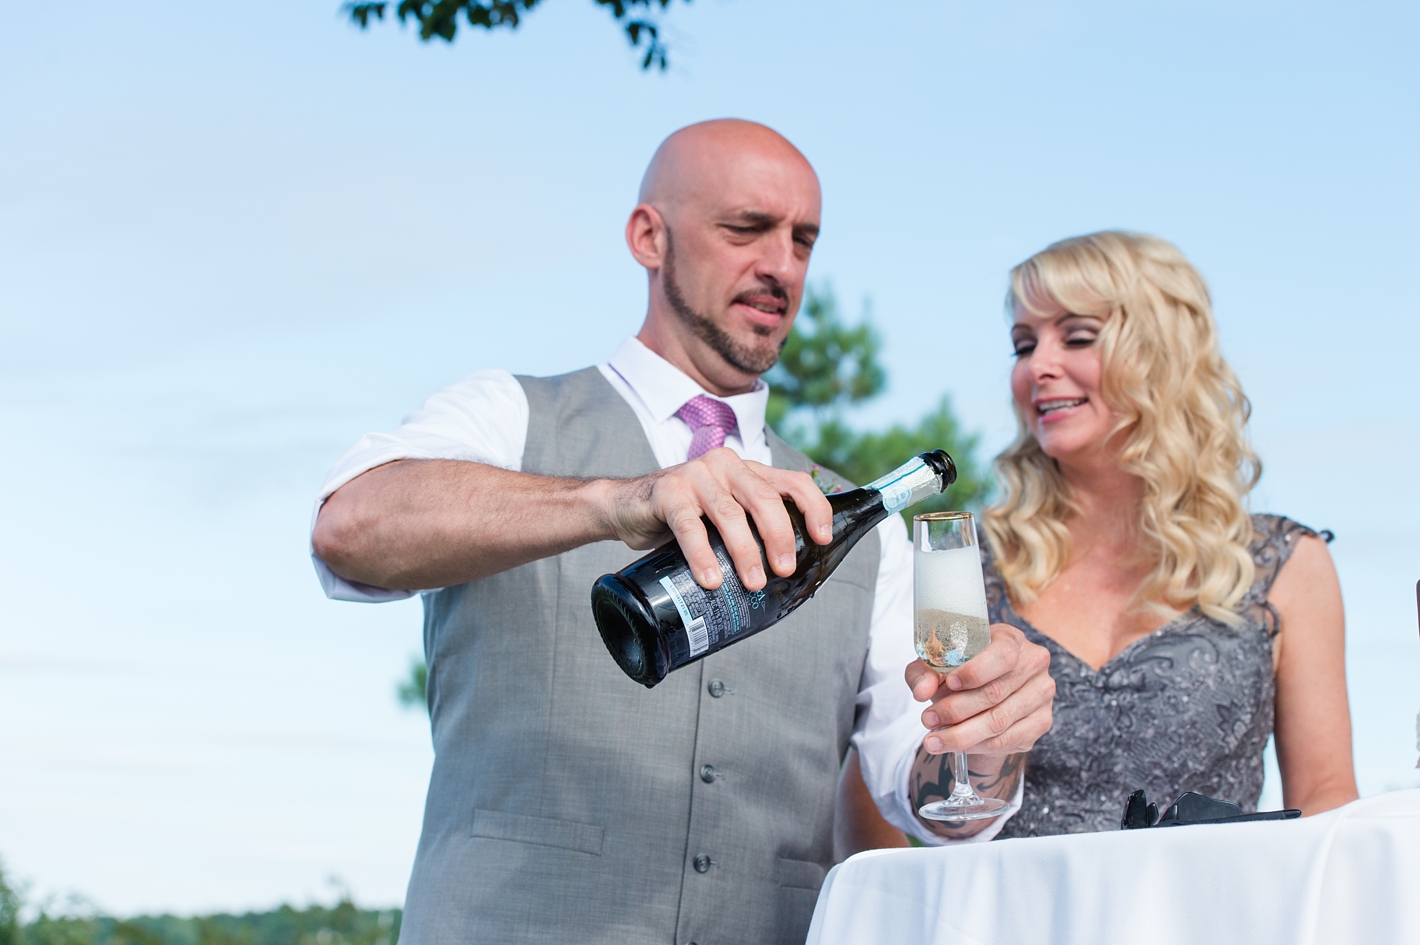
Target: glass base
x: 953, y: 809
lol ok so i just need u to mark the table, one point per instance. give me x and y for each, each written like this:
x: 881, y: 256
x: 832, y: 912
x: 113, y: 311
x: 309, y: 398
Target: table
x: 1349, y: 875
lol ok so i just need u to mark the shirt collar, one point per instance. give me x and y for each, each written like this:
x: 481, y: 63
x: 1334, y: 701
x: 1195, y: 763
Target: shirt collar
x: 664, y: 388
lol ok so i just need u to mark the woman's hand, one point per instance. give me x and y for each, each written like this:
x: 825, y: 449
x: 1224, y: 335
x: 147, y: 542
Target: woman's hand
x: 997, y: 702
x: 994, y: 707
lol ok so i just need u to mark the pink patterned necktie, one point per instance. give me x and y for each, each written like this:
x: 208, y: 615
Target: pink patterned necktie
x: 710, y: 421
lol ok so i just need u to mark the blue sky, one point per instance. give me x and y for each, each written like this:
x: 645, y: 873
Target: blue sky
x: 235, y: 237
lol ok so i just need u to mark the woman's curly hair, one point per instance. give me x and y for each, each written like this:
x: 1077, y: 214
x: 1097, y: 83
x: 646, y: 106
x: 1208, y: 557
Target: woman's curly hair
x: 1182, y: 414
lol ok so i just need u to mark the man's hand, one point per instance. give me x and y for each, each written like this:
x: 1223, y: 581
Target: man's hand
x: 729, y: 491
x: 997, y: 702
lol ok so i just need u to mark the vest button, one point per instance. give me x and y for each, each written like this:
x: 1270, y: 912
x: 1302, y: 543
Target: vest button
x: 707, y: 774
x: 702, y: 863
x: 717, y: 688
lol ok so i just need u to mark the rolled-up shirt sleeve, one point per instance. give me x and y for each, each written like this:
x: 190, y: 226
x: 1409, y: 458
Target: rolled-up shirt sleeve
x: 482, y: 418
x: 889, y: 726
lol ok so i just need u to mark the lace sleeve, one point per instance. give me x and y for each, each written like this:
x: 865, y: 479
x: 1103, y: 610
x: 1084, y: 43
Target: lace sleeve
x: 1274, y: 537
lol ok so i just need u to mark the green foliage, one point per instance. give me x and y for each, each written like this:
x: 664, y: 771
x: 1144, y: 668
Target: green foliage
x: 9, y: 912
x: 441, y: 18
x: 414, y: 691
x: 344, y: 924
x: 863, y: 457
x: 827, y: 367
x: 77, y: 923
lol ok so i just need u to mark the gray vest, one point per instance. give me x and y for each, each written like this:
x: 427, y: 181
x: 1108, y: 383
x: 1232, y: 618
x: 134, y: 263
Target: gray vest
x: 568, y: 803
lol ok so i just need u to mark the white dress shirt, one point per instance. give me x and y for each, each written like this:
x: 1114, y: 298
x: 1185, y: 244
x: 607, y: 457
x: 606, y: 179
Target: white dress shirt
x: 484, y: 419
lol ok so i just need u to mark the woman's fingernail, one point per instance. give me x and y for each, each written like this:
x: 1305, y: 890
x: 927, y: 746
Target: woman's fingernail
x: 756, y: 574
x: 711, y: 575
x: 953, y: 683
x: 929, y: 719
x: 934, y: 745
x: 786, y: 562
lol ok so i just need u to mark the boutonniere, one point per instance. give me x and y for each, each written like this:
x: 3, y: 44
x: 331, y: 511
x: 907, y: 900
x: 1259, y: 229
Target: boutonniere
x: 827, y: 482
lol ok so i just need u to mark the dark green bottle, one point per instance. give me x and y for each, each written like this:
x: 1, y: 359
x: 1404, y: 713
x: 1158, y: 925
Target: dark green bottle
x: 654, y: 618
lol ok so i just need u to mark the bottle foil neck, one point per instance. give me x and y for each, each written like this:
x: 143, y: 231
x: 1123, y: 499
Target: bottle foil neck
x: 907, y: 485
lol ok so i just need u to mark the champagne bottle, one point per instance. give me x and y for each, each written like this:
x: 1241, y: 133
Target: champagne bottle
x: 654, y: 617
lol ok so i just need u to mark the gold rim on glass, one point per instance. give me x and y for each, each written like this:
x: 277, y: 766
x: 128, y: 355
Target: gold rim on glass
x: 941, y: 516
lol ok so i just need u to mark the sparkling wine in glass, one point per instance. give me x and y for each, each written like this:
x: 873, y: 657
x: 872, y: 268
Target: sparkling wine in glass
x: 949, y: 597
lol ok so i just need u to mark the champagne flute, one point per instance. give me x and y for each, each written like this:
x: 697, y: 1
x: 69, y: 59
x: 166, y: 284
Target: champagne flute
x: 949, y: 597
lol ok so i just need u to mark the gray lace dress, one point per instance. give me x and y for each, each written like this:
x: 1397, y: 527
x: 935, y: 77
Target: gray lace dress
x: 1186, y: 708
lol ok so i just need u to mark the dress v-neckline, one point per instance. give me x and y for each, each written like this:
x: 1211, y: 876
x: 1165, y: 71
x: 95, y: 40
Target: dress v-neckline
x: 1057, y: 645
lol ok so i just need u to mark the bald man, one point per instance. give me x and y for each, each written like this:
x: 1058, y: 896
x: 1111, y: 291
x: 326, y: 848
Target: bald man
x: 567, y: 802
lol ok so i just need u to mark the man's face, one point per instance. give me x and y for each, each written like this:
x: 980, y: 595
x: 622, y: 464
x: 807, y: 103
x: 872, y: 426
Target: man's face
x: 737, y: 255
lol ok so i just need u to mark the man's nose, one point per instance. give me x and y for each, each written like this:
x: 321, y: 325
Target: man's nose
x: 777, y: 261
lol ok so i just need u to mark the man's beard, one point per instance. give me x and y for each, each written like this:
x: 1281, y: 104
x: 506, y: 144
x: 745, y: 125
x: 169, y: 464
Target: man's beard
x: 748, y: 359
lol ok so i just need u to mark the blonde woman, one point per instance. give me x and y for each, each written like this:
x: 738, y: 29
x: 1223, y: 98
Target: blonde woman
x: 1182, y: 630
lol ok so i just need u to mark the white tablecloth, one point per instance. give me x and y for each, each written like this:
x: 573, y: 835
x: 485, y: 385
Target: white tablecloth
x: 1349, y: 875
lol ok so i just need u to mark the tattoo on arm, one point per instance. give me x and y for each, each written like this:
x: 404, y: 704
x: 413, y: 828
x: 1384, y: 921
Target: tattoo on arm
x: 994, y: 776
x: 1003, y: 782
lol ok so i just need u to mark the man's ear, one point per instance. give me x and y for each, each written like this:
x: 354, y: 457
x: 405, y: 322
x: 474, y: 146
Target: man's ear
x: 646, y: 236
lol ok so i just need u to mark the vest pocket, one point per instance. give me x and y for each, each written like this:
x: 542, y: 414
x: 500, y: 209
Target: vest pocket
x: 800, y: 874
x: 542, y: 831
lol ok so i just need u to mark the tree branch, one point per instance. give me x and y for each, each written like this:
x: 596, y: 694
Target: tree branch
x: 440, y: 18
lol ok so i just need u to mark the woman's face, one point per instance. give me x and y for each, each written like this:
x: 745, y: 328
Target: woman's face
x: 1056, y: 382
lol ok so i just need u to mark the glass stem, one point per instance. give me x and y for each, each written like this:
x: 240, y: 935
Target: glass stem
x: 961, y: 781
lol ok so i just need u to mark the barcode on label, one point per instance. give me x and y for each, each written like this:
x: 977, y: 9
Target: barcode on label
x: 699, y: 636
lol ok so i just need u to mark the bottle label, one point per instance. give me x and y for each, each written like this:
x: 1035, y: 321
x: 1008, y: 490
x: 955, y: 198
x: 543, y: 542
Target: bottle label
x: 695, y: 631
x: 712, y: 618
x: 907, y: 485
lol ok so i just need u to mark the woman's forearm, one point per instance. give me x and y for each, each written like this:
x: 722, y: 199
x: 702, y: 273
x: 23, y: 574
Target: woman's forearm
x: 991, y: 776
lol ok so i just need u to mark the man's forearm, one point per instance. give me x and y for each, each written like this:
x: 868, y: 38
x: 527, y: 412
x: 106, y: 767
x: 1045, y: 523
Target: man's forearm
x: 991, y: 776
x: 417, y: 524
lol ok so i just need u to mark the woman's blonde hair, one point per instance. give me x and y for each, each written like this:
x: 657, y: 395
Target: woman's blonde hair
x: 1182, y: 414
